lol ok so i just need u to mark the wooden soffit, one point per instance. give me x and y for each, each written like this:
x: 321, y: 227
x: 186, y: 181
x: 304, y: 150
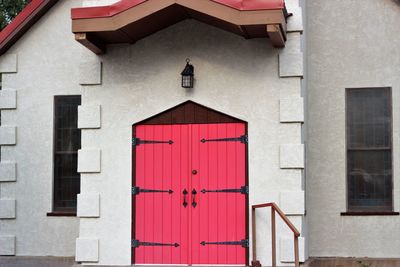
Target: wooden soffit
x: 128, y: 21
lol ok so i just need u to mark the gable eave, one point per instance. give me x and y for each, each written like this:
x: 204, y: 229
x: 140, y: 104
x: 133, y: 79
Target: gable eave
x: 23, y: 22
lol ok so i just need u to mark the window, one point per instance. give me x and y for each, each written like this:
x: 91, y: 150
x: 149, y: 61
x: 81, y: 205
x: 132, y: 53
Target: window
x: 369, y: 150
x: 67, y: 141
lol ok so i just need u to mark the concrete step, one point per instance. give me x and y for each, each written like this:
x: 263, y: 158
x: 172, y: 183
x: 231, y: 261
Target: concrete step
x: 351, y: 262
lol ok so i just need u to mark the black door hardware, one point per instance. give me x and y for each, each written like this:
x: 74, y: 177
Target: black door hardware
x: 185, y: 192
x: 138, y: 141
x: 194, y: 193
x: 244, y: 243
x: 137, y: 243
x: 137, y: 190
x: 242, y: 139
x: 242, y: 190
x: 194, y: 172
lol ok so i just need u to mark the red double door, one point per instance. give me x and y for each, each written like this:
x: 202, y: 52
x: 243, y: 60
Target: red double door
x: 190, y: 194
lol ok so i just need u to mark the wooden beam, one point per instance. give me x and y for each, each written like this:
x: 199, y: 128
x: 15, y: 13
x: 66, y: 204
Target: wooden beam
x: 94, y: 45
x: 242, y: 29
x: 145, y: 9
x: 275, y: 35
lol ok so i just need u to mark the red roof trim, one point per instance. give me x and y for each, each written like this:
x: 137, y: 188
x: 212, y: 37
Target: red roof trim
x: 18, y: 20
x: 21, y: 23
x: 123, y: 5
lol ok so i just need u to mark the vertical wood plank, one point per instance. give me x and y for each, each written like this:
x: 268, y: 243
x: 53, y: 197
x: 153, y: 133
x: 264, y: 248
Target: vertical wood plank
x: 273, y: 235
x: 140, y: 205
x: 176, y: 210
x: 241, y: 176
x: 232, y: 199
x: 158, y: 220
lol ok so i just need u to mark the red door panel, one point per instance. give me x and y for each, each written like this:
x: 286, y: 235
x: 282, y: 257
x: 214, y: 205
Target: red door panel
x: 218, y: 216
x: 160, y: 217
x: 209, y: 227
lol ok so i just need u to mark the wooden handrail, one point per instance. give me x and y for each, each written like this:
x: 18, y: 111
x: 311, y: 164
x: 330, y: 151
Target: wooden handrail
x: 296, y: 233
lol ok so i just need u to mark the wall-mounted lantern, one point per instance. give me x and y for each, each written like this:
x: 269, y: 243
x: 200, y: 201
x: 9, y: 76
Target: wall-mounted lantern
x: 188, y: 75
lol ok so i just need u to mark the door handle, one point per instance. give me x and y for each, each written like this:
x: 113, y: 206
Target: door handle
x: 194, y: 193
x: 185, y: 192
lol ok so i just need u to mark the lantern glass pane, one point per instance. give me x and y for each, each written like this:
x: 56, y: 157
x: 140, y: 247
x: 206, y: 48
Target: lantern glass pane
x: 187, y: 81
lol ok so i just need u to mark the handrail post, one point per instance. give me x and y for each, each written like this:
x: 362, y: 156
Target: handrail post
x: 273, y: 234
x: 274, y: 209
x: 253, y: 226
x: 296, y: 251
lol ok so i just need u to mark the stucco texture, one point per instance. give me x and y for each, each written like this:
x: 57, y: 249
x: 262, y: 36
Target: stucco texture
x: 46, y: 56
x: 351, y: 43
x: 233, y: 75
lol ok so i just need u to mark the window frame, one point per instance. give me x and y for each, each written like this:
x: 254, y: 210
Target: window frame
x: 60, y: 211
x: 351, y: 211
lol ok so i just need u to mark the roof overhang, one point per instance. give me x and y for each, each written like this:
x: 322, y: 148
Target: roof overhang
x: 128, y: 21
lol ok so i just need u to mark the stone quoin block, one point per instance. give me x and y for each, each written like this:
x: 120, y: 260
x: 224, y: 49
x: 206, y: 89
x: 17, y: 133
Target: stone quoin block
x: 8, y: 171
x: 8, y: 99
x: 295, y: 22
x: 8, y: 135
x: 90, y: 72
x: 287, y: 249
x: 291, y: 156
x: 293, y: 43
x: 7, y: 245
x: 291, y: 64
x: 88, y: 205
x: 89, y: 160
x: 89, y: 117
x: 292, y: 109
x: 87, y: 250
x: 292, y: 3
x: 7, y: 208
x: 8, y: 63
x: 291, y: 87
x: 292, y: 202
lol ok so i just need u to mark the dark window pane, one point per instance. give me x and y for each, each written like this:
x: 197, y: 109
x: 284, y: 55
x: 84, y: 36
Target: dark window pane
x: 66, y: 163
x: 67, y: 142
x: 369, y: 145
x: 370, y: 180
x: 369, y: 118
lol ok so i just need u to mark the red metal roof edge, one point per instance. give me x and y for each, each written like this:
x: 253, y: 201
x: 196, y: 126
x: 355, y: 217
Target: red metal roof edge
x: 123, y: 5
x: 22, y: 22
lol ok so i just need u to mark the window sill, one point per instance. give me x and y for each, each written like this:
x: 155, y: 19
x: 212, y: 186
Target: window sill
x: 370, y: 213
x: 61, y: 214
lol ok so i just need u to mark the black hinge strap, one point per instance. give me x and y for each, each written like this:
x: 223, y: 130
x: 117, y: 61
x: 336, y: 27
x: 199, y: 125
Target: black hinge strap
x: 138, y: 141
x: 137, y: 243
x: 242, y: 139
x: 137, y: 190
x: 242, y: 190
x: 244, y: 243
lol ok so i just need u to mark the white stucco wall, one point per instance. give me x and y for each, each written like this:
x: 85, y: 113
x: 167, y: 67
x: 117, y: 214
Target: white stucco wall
x: 46, y: 56
x: 236, y: 76
x: 350, y: 44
